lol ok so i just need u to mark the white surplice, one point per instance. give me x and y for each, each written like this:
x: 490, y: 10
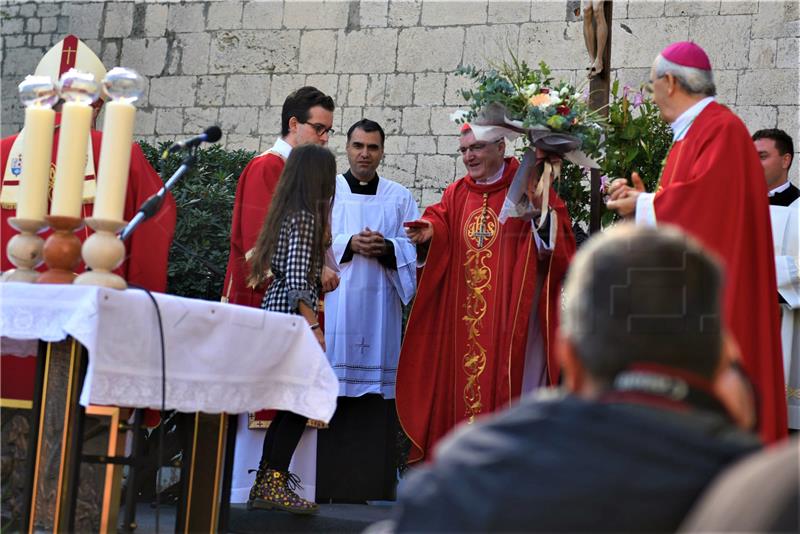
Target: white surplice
x: 786, y: 235
x: 363, y: 317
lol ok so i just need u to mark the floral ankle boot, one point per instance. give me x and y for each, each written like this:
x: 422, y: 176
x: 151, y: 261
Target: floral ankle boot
x: 276, y: 490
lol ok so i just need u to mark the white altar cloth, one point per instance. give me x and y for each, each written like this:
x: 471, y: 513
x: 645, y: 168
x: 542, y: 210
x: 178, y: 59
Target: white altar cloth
x: 219, y: 357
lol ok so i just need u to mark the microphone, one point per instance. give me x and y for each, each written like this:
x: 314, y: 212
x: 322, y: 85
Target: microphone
x: 211, y: 135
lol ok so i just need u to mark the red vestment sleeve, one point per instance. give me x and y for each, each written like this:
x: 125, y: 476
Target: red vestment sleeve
x: 714, y: 188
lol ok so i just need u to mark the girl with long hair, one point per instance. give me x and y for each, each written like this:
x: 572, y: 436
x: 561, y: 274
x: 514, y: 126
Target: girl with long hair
x: 291, y: 247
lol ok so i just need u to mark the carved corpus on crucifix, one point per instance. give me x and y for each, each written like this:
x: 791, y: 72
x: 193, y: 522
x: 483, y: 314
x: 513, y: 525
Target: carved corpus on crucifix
x: 595, y: 34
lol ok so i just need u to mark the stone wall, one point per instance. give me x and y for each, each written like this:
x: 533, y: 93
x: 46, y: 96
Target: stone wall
x: 232, y: 62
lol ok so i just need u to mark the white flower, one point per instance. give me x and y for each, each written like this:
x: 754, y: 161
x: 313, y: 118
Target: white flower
x: 530, y: 90
x: 564, y: 91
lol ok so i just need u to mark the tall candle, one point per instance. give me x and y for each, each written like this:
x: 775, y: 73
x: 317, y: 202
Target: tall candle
x: 115, y: 157
x: 76, y: 119
x: 37, y: 148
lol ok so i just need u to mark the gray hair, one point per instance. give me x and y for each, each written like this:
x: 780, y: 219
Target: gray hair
x: 637, y: 295
x: 693, y: 81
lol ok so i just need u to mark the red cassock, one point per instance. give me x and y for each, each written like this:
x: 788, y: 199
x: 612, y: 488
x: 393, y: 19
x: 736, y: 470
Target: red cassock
x: 713, y: 187
x: 147, y: 249
x: 464, y: 350
x: 254, y: 192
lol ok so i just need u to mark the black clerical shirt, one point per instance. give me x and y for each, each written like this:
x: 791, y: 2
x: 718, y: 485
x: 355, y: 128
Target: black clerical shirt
x: 785, y: 197
x: 386, y: 259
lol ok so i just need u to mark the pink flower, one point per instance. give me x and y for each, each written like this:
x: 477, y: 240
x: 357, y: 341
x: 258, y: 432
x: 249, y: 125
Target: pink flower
x: 603, y: 183
x: 637, y: 100
x: 545, y: 91
x: 563, y: 110
x: 626, y: 90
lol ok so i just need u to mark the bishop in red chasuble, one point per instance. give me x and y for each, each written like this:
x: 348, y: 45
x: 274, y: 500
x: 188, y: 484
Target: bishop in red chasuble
x: 486, y: 305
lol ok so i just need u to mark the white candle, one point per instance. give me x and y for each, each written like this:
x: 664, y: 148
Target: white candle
x: 37, y: 149
x: 76, y: 119
x: 115, y: 158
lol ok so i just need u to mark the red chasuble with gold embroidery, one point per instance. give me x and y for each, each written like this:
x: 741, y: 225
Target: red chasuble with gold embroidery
x: 713, y: 187
x: 464, y: 350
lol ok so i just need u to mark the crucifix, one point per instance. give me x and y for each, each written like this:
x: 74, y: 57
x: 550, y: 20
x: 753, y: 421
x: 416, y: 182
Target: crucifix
x: 597, y: 27
x: 363, y: 345
x: 482, y: 233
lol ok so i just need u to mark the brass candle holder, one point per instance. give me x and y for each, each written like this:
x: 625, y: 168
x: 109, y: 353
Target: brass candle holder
x: 62, y: 250
x: 24, y: 250
x: 103, y: 251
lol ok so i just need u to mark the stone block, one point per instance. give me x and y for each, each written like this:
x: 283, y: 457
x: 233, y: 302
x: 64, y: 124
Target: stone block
x: 555, y: 43
x: 757, y: 117
x: 395, y: 144
x: 768, y: 87
x: 238, y: 120
x: 111, y: 54
x: 389, y: 118
x: 145, y: 122
x: 401, y: 168
x: 14, y: 41
x: 404, y: 12
x: 762, y: 53
x: 727, y: 82
x: 488, y: 46
x: 318, y: 51
x: 357, y: 90
x: 373, y: 13
x: 196, y: 120
x: 254, y: 52
x: 399, y: 89
x: 648, y: 37
x: 644, y: 9
x: 262, y: 14
x: 633, y: 78
x: 119, y: 19
x: 376, y: 89
x: 435, y: 172
x: 513, y: 12
x: 247, y: 142
x: 49, y: 24
x: 315, y: 15
x: 429, y: 197
x: 787, y: 55
x: 367, y: 51
x: 327, y: 83
x: 27, y: 10
x: 85, y: 20
x: 155, y: 20
x: 186, y: 18
x: 351, y: 115
x: 19, y: 64
x: 725, y: 39
x: 421, y: 144
x: 675, y: 8
x: 453, y: 87
x: 145, y: 56
x: 429, y: 88
x: 416, y: 46
x: 169, y: 121
x: 33, y: 25
x: 775, y: 19
x: 788, y: 122
x: 447, y: 144
x: 224, y: 15
x: 247, y: 90
x: 738, y: 7
x: 269, y: 121
x: 194, y: 49
x: 548, y: 10
x: 211, y: 90
x: 283, y: 85
x: 45, y: 40
x: 453, y: 13
x: 175, y: 91
x: 46, y: 9
x: 441, y: 124
x: 416, y: 120
x: 342, y: 90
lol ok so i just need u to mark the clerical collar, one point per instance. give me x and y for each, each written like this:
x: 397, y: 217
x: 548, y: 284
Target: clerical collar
x: 282, y: 147
x: 494, y: 179
x: 780, y: 189
x: 358, y: 187
x: 685, y: 120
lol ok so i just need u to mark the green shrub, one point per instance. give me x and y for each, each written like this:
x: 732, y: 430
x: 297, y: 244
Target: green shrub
x: 204, y: 198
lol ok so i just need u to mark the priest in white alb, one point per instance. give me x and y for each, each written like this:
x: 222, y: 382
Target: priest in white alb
x: 363, y: 321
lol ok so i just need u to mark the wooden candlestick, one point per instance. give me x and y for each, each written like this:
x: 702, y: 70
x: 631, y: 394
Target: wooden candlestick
x: 62, y: 250
x: 24, y: 250
x: 103, y: 251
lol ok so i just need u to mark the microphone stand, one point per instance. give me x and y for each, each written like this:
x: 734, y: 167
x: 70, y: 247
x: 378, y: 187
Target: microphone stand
x: 151, y: 206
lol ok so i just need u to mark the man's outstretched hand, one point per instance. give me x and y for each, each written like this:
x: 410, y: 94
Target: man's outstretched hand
x: 622, y: 197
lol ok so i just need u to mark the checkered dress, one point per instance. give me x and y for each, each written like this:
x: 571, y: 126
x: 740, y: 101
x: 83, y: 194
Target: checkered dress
x: 291, y: 264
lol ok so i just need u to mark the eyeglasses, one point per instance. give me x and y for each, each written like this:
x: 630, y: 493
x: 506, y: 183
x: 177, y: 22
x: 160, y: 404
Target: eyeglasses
x: 649, y: 85
x: 320, y: 129
x: 476, y: 147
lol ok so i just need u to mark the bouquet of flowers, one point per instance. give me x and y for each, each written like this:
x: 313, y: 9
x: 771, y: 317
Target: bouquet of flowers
x: 553, y: 116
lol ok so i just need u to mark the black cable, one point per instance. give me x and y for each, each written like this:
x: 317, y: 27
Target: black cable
x: 161, y: 437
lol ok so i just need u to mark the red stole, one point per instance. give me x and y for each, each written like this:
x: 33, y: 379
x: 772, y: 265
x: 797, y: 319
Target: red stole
x: 713, y: 187
x: 464, y: 349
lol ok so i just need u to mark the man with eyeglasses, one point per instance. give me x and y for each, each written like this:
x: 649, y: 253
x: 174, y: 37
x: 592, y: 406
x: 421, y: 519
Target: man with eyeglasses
x: 480, y: 331
x: 713, y: 187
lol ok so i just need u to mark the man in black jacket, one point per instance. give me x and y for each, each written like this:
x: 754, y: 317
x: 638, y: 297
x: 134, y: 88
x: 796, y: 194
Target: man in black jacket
x: 638, y: 432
